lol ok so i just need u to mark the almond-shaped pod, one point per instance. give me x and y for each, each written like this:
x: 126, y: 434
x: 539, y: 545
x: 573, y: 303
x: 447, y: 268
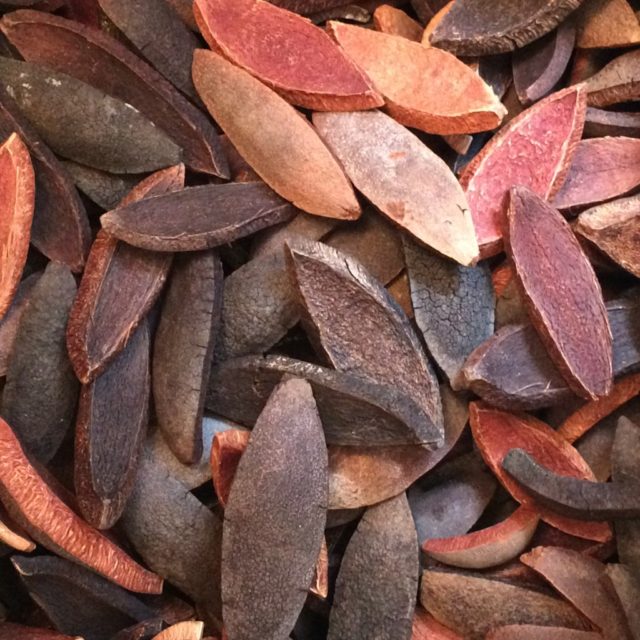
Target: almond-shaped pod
x: 497, y: 432
x: 183, y: 350
x: 198, y: 218
x: 60, y: 227
x: 110, y: 427
x: 562, y: 293
x: 41, y: 391
x: 17, y: 202
x: 533, y: 150
x: 378, y: 579
x: 344, y: 305
x: 119, y: 285
x: 275, y: 517
x: 84, y: 124
x: 403, y: 178
x: 482, y: 27
x: 423, y: 87
x: 98, y: 59
x: 274, y: 138
x: 52, y: 523
x: 298, y: 59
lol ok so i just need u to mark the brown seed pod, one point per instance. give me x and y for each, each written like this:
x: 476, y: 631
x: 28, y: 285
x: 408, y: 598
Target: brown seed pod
x: 607, y: 23
x: 624, y: 586
x: 277, y: 501
x: 378, y: 579
x: 94, y: 57
x: 389, y: 19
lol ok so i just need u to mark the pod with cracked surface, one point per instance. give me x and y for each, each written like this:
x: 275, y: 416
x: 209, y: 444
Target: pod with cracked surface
x: 544, y: 136
x: 298, y: 60
x: 275, y: 517
x: 354, y: 410
x: 84, y: 124
x: 578, y: 578
x: 32, y: 503
x: 16, y: 207
x: 60, y: 228
x: 538, y: 67
x: 119, y: 285
x: 276, y: 141
x: 378, y: 580
x: 165, y: 42
x: 338, y: 294
x: 481, y: 27
x: 41, y: 391
x: 197, y: 218
x: 497, y: 432
x: 59, y: 585
x: 453, y: 306
x: 183, y: 350
x: 110, y: 427
x: 473, y: 605
x: 614, y: 228
x: 94, y: 57
x: 571, y: 320
x: 602, y: 169
x: 388, y: 164
x: 423, y: 87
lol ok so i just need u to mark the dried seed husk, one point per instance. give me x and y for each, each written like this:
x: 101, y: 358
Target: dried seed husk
x: 378, y: 579
x: 535, y: 632
x: 197, y: 218
x: 618, y: 81
x: 11, y: 631
x: 426, y: 627
x: 571, y: 320
x: 423, y: 87
x: 590, y: 414
x: 453, y: 306
x: 298, y: 60
x: 343, y: 306
x: 188, y: 630
x: 183, y: 351
x: 119, y: 286
x: 58, y: 586
x: 51, y: 522
x: 488, y: 547
x: 228, y: 447
x: 276, y: 141
x: 104, y: 188
x: 478, y: 27
x: 570, y: 496
x: 41, y: 392
x: 544, y: 136
x: 614, y: 228
x: 84, y: 124
x: 16, y: 208
x: 624, y: 586
x: 465, y: 483
x: 497, y: 432
x: 101, y: 61
x: 167, y: 43
x: 110, y: 428
x: 607, y: 23
x: 10, y: 323
x: 578, y: 578
x: 354, y: 410
x: 277, y: 503
x: 362, y: 476
x: 175, y: 533
x: 60, y: 228
x: 538, y: 67
x: 602, y: 169
x: 473, y: 605
x: 394, y: 21
x: 388, y: 163
x: 600, y: 123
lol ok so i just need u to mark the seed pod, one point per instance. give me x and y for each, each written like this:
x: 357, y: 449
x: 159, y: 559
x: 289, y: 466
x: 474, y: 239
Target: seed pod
x: 607, y: 23
x: 389, y: 19
x: 624, y: 585
x: 278, y: 500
